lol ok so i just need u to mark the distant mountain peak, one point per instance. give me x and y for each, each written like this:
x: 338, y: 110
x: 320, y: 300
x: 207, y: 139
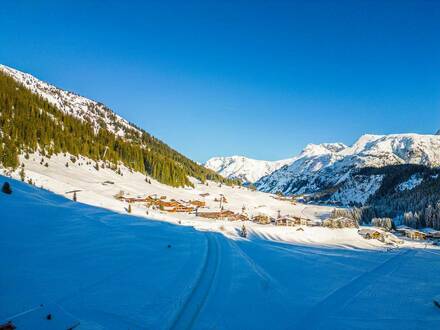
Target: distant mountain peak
x: 243, y: 168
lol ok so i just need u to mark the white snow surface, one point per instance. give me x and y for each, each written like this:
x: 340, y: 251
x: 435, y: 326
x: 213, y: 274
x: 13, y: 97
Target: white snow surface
x: 71, y: 103
x: 107, y: 270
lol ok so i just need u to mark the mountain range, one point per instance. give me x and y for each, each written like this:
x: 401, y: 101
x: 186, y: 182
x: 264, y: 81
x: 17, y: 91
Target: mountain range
x: 324, y: 166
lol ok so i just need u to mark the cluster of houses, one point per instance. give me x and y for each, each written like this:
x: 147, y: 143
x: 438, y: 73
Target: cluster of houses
x: 291, y: 221
x: 411, y: 233
x: 162, y: 204
x: 193, y: 206
x: 402, y: 231
x: 224, y: 215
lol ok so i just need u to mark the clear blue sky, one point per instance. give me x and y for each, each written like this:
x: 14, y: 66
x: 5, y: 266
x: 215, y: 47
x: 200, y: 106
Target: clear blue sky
x: 236, y: 77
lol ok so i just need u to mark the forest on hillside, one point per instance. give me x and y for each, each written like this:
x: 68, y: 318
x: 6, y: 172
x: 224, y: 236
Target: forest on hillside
x: 416, y: 206
x: 29, y: 123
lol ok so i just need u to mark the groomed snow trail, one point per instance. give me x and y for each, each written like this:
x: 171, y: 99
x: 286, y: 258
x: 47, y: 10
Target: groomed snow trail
x: 187, y: 316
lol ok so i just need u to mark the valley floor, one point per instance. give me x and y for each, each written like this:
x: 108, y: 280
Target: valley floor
x: 106, y: 270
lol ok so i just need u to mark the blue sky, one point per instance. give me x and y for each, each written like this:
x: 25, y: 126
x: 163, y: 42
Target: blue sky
x: 252, y: 78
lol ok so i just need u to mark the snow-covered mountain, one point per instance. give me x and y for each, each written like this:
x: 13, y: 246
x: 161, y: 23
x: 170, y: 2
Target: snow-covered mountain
x: 319, y: 167
x: 85, y: 109
x: 102, y: 135
x: 243, y: 168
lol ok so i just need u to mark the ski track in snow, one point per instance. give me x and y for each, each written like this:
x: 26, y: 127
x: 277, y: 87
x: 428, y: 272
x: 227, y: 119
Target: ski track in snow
x: 195, y: 302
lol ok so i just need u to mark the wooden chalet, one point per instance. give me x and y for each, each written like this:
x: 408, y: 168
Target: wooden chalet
x: 369, y: 233
x: 286, y: 221
x: 432, y: 233
x: 412, y: 233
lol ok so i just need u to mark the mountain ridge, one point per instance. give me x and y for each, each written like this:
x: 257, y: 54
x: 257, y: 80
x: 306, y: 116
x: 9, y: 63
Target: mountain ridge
x: 322, y: 166
x: 38, y: 116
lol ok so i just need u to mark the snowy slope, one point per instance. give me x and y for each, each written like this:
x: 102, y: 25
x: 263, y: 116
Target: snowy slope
x: 314, y: 171
x: 411, y: 183
x: 243, y: 168
x: 105, y: 270
x: 94, y: 189
x: 96, y: 113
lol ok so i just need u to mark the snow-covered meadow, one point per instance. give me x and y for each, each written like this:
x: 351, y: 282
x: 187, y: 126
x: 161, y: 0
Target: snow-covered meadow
x: 105, y: 270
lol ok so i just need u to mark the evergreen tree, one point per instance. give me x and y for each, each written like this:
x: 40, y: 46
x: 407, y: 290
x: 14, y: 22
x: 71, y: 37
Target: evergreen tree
x: 7, y: 188
x: 22, y: 174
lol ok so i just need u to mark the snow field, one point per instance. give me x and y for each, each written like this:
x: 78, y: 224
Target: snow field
x: 108, y: 270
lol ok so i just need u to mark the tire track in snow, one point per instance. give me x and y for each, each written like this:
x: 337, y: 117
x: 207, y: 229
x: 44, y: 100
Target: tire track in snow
x: 190, y: 310
x: 338, y: 298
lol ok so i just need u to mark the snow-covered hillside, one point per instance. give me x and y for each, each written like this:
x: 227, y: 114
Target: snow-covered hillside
x: 98, y: 187
x: 94, y: 112
x: 318, y: 168
x: 91, y: 268
x: 243, y: 168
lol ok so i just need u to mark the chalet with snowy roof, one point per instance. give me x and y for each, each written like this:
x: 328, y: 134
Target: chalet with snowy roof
x: 431, y: 233
x: 411, y: 233
x: 370, y: 233
x: 286, y: 221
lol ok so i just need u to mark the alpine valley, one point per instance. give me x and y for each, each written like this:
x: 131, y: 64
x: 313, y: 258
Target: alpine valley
x: 106, y: 227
